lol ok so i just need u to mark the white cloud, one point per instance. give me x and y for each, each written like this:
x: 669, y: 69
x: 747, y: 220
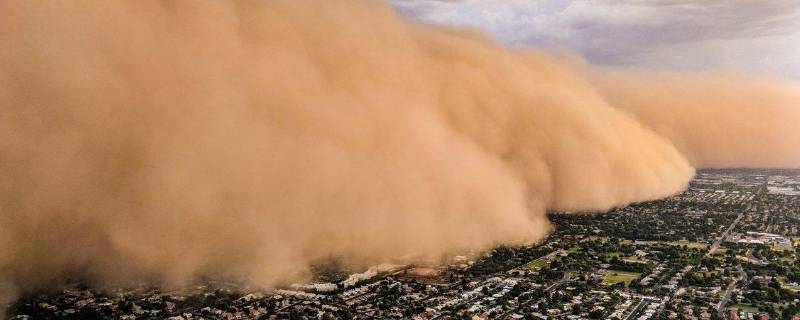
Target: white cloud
x: 755, y: 35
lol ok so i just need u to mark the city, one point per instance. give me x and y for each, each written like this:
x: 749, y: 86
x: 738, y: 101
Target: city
x: 723, y: 249
x: 400, y: 159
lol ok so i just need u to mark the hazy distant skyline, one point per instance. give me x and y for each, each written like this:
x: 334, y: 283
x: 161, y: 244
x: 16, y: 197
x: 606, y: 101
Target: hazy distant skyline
x: 748, y: 35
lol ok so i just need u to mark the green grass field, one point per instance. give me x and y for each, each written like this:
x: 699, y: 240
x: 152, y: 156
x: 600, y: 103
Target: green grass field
x: 745, y: 308
x: 782, y: 280
x: 536, y: 264
x: 635, y: 260
x: 781, y: 248
x: 691, y: 245
x: 614, y: 277
x: 596, y: 238
x: 572, y: 250
x: 708, y: 274
x: 793, y: 288
x: 721, y: 251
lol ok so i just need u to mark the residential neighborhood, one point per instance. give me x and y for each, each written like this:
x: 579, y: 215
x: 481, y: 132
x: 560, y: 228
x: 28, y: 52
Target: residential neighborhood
x: 723, y: 249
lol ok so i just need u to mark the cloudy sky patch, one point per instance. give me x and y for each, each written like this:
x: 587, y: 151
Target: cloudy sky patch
x: 752, y: 35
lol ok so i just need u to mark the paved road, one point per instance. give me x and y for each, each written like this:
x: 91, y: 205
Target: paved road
x: 717, y: 243
x: 753, y: 259
x: 719, y: 240
x: 636, y: 310
x: 549, y: 290
x: 742, y: 275
x: 729, y: 291
x: 564, y: 279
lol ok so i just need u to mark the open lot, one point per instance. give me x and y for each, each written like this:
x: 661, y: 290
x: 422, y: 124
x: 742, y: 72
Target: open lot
x: 536, y: 264
x: 745, y: 308
x: 614, y: 277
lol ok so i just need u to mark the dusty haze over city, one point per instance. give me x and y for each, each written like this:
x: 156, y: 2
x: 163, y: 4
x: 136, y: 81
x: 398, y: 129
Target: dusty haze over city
x: 168, y: 141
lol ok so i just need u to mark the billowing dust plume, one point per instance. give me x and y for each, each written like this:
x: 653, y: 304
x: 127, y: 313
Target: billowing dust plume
x: 165, y: 141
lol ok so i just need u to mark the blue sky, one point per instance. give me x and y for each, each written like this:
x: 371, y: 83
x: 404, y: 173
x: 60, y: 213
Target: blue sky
x: 760, y: 36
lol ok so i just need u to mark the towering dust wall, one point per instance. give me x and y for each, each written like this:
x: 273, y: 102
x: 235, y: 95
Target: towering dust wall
x: 164, y: 141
